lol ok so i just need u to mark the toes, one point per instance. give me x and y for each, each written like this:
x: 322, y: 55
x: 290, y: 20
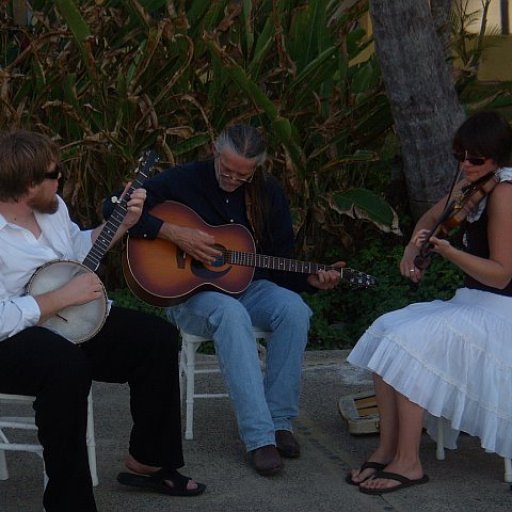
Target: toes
x: 191, y: 485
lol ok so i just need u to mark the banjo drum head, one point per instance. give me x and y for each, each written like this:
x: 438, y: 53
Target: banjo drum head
x: 76, y: 323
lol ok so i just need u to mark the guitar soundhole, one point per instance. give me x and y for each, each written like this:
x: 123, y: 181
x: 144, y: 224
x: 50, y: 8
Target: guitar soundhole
x: 210, y: 273
x: 219, y: 261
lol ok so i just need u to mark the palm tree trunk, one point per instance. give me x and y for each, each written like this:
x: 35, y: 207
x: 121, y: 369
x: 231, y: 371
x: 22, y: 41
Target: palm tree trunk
x: 423, y: 99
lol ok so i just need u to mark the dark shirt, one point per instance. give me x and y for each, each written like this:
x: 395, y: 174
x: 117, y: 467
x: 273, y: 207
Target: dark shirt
x: 195, y: 185
x: 476, y: 243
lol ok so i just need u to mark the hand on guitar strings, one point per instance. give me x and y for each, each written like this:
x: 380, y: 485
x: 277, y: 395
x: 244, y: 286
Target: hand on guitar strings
x: 326, y: 279
x: 198, y: 244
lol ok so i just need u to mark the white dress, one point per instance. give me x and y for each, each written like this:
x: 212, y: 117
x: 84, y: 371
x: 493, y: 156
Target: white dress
x: 454, y: 359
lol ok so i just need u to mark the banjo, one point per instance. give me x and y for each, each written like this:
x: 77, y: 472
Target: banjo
x: 80, y: 323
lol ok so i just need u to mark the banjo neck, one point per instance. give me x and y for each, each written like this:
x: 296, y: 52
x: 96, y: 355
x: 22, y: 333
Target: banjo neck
x: 104, y: 239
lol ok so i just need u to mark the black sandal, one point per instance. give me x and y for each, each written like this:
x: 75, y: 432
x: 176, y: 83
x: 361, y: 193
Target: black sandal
x: 157, y: 482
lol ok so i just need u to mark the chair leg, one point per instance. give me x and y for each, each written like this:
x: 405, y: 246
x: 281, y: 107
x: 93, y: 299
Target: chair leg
x: 262, y: 353
x: 182, y: 369
x: 508, y: 469
x: 4, y: 473
x: 91, y: 442
x: 440, y: 455
x: 45, y: 478
x: 190, y: 368
x: 187, y: 372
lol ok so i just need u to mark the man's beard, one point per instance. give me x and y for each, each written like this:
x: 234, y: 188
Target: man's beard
x: 43, y: 205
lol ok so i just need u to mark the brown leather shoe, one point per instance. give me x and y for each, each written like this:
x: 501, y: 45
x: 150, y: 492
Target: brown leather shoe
x: 266, y: 460
x: 287, y: 445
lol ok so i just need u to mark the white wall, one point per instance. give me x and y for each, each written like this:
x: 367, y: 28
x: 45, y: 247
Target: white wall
x: 493, y: 14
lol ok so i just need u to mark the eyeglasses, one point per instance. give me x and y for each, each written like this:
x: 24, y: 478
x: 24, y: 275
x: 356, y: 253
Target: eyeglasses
x: 236, y: 178
x: 462, y: 156
x: 219, y: 166
x: 55, y: 174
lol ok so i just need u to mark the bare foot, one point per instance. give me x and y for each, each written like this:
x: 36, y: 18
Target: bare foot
x: 411, y: 471
x: 376, y: 462
x: 142, y: 469
x: 366, y: 471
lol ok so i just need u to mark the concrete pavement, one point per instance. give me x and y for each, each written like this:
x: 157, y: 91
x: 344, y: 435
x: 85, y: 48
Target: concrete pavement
x: 468, y: 480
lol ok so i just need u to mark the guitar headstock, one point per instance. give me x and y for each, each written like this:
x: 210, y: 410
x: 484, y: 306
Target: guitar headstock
x: 357, y: 279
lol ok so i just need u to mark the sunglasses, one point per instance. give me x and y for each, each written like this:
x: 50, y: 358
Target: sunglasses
x: 55, y: 174
x: 462, y: 156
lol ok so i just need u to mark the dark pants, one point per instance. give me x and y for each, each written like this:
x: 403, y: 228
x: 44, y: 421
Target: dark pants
x: 132, y: 347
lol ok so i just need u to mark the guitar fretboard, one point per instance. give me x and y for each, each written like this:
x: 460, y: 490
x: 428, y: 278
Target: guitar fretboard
x: 104, y: 239
x: 274, y: 262
x: 248, y: 259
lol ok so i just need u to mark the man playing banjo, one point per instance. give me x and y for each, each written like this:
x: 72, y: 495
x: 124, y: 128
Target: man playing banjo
x: 132, y: 347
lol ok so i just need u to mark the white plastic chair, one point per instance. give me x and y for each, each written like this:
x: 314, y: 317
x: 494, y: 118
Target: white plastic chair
x: 189, y: 346
x: 27, y: 423
x: 440, y: 451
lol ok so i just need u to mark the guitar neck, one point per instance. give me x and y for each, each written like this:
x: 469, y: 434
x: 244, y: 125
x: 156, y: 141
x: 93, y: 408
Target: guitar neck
x: 247, y: 259
x: 102, y: 243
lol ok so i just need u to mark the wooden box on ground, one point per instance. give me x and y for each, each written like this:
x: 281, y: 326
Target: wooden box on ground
x: 360, y: 412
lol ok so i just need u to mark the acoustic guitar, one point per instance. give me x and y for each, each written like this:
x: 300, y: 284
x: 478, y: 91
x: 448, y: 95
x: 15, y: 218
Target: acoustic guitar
x: 161, y: 274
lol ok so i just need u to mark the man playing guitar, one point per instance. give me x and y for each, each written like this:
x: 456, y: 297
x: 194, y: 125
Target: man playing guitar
x: 232, y: 188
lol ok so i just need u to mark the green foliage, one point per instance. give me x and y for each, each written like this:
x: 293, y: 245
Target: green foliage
x: 343, y: 314
x: 108, y: 79
x: 123, y: 297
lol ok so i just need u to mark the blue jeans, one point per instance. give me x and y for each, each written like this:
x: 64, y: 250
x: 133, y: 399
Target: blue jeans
x: 262, y: 404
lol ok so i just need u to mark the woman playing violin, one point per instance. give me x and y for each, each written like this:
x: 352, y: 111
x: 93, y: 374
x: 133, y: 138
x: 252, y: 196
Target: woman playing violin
x: 449, y: 359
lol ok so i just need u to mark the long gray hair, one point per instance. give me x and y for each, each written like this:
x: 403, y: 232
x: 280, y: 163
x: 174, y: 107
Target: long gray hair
x: 247, y: 142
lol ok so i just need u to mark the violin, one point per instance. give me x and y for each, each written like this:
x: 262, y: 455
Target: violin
x: 454, y: 213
